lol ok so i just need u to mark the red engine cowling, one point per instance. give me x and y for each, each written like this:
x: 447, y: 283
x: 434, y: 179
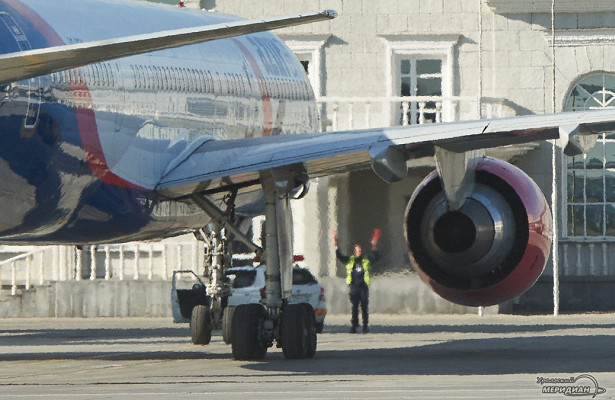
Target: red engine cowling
x: 490, y: 250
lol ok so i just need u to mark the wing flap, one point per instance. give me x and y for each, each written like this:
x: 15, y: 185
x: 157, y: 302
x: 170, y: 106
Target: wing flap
x: 238, y: 161
x: 31, y: 63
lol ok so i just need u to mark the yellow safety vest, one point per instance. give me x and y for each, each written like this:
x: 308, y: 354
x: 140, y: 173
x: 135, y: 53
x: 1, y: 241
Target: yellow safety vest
x: 366, y: 267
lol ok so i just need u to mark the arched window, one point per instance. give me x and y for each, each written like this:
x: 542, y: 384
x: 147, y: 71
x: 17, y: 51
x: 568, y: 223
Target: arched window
x: 590, y: 178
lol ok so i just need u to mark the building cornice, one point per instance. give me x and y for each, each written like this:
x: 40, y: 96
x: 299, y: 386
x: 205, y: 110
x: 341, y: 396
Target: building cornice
x: 582, y: 37
x: 544, y: 6
x: 427, y: 41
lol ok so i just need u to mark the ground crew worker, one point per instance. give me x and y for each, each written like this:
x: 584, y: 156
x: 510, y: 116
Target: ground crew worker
x: 357, y: 277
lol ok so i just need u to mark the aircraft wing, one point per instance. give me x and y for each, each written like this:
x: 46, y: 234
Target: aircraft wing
x: 236, y: 162
x: 27, y: 64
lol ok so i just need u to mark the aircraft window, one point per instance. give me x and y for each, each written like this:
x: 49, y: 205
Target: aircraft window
x: 198, y: 79
x: 140, y: 84
x: 178, y: 81
x: 189, y: 82
x: 155, y: 78
x: 242, y: 85
x: 188, y: 78
x: 107, y: 78
x: 210, y: 79
x: 86, y: 74
x: 134, y: 76
x: 147, y: 77
x: 159, y: 78
x: 112, y: 74
x: 195, y: 81
x: 167, y: 78
x: 105, y: 75
x: 217, y: 83
x: 183, y: 80
x: 101, y: 71
x: 227, y: 84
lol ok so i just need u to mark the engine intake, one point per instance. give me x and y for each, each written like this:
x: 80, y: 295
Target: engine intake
x: 491, y: 249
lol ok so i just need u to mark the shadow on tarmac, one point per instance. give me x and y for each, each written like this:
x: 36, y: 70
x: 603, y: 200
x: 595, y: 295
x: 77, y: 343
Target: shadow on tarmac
x: 537, y: 350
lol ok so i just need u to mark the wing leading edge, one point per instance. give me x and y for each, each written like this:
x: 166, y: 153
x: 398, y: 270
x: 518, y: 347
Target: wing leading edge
x: 31, y: 63
x: 239, y: 161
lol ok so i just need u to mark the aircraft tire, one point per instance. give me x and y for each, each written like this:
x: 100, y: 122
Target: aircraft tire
x: 200, y: 325
x: 246, y: 340
x: 298, y: 331
x: 227, y: 322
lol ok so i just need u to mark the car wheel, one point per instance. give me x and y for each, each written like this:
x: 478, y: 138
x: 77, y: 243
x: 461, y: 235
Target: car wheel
x: 319, y: 327
x: 227, y: 320
x: 298, y: 331
x: 200, y: 325
x: 246, y: 328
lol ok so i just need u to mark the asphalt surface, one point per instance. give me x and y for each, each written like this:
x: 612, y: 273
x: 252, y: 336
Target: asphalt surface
x: 422, y: 357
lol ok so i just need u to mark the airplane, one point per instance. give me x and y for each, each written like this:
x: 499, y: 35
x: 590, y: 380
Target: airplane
x: 124, y: 120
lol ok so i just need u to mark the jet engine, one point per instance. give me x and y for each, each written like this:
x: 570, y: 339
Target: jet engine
x: 491, y: 249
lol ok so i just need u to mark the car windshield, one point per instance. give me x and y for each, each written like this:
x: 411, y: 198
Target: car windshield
x: 241, y: 278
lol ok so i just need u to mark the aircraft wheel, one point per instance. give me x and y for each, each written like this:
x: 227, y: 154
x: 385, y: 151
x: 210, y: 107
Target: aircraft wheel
x: 298, y: 331
x: 246, y: 332
x: 227, y: 322
x: 200, y: 324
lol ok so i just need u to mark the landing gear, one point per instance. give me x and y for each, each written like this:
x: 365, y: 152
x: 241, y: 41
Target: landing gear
x: 217, y: 239
x: 292, y: 326
x: 252, y: 328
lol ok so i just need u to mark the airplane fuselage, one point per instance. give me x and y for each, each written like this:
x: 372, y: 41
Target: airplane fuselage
x: 82, y: 150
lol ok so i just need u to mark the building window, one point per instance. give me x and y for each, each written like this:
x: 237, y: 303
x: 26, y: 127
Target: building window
x: 421, y: 69
x: 421, y: 79
x: 590, y: 178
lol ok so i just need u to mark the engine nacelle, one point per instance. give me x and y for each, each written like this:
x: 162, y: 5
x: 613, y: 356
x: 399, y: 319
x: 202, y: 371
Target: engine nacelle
x: 490, y: 250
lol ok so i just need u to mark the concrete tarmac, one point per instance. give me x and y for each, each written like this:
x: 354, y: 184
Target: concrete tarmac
x: 403, y: 357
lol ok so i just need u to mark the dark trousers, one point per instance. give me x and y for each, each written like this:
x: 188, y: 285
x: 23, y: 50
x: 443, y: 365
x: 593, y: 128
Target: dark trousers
x: 359, y: 294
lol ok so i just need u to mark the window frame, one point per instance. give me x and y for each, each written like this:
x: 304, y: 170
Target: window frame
x: 415, y: 47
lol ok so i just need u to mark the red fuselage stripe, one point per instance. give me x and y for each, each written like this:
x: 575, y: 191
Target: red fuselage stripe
x: 86, y: 119
x: 260, y: 78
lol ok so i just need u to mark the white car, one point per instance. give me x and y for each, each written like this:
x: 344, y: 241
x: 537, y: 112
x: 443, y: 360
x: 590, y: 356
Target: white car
x: 247, y: 284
